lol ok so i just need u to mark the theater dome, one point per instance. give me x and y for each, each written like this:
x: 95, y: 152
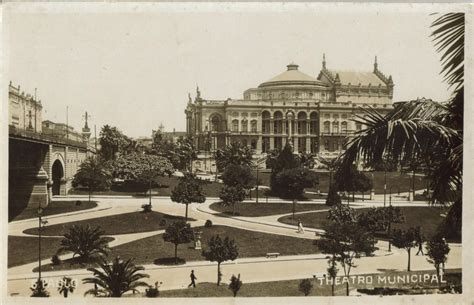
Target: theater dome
x: 292, y: 77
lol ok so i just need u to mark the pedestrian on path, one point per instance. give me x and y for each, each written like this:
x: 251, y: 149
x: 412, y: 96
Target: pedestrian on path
x: 300, y: 227
x: 419, y: 241
x: 193, y: 279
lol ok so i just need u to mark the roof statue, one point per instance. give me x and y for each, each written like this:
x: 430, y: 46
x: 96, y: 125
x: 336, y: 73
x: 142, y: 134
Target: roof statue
x: 375, y: 64
x: 198, y: 93
x: 324, y: 61
x: 190, y: 101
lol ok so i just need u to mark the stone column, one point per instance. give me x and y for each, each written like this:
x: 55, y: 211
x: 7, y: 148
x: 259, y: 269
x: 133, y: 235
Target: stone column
x: 259, y: 145
x: 308, y: 145
x: 272, y: 142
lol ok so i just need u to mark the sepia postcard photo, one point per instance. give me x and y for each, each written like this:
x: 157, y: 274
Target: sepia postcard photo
x: 236, y: 153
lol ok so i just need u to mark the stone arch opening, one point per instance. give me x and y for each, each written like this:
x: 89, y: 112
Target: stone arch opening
x: 57, y: 173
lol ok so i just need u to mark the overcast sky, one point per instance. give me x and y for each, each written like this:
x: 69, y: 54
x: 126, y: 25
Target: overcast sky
x: 134, y: 70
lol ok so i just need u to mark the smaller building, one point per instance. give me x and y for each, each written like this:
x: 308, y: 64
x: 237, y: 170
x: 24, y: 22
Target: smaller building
x: 61, y: 130
x: 24, y: 110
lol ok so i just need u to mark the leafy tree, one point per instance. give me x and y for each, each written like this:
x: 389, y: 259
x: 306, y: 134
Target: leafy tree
x: 187, y: 191
x: 220, y: 250
x: 235, y: 153
x: 84, y: 241
x: 116, y: 278
x: 405, y: 239
x: 235, y: 284
x: 164, y: 147
x: 271, y: 158
x: 238, y: 175
x: 179, y: 232
x: 230, y: 195
x: 66, y: 286
x: 141, y: 170
x: 381, y: 219
x: 185, y: 153
x: 306, y: 286
x: 39, y: 290
x: 333, y: 197
x: 352, y: 181
x: 437, y: 251
x: 285, y: 160
x: 346, y: 242
x: 290, y: 183
x: 341, y: 214
x: 93, y: 174
x: 112, y: 141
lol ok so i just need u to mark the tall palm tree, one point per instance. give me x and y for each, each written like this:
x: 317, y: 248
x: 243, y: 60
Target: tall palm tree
x: 423, y: 129
x: 116, y: 278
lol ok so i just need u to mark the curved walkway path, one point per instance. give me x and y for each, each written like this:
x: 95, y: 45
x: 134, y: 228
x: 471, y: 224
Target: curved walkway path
x: 252, y: 269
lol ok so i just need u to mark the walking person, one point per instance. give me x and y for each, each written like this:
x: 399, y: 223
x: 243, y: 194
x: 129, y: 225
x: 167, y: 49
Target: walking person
x: 193, y: 279
x: 419, y: 241
x: 300, y: 227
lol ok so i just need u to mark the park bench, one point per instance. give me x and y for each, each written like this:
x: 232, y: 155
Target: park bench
x: 272, y: 254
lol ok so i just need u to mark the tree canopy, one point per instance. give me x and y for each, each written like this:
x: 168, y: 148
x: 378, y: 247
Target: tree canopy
x: 234, y: 153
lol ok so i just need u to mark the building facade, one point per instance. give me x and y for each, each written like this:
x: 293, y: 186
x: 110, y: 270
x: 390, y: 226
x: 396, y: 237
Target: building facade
x: 313, y: 113
x: 43, y: 156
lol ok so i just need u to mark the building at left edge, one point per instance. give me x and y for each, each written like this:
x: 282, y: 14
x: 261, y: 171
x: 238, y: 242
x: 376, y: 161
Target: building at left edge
x: 43, y: 156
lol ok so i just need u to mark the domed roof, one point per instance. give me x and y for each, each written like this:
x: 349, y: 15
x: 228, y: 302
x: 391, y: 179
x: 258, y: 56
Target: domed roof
x: 292, y: 77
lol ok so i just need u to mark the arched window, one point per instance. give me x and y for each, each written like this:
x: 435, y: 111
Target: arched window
x: 344, y: 127
x: 277, y: 122
x: 326, y: 127
x: 235, y: 125
x: 245, y: 126
x: 302, y: 129
x: 253, y: 126
x: 313, y: 125
x: 266, y: 122
x: 216, y: 123
x: 335, y: 127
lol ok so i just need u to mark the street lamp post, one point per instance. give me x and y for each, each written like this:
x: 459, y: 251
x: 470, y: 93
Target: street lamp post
x: 41, y: 224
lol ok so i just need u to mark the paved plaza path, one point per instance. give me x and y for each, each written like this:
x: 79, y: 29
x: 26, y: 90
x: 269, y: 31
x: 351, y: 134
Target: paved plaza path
x: 256, y: 269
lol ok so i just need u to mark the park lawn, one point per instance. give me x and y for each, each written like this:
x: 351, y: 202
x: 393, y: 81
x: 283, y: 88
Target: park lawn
x: 249, y: 209
x: 134, y: 222
x: 24, y: 249
x: 154, y: 250
x: 428, y: 218
x: 54, y: 208
x: 290, y: 288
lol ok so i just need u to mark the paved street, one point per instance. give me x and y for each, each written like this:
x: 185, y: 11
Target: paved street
x: 251, y: 269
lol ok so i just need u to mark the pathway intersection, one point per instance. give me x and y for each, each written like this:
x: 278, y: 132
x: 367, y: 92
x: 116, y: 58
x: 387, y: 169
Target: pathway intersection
x: 255, y: 269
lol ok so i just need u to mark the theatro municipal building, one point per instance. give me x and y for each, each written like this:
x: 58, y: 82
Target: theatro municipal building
x: 313, y: 113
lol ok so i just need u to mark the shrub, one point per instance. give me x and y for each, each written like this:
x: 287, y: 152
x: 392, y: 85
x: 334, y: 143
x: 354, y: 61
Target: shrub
x: 208, y: 223
x: 78, y: 202
x: 55, y: 260
x: 163, y: 222
x: 152, y: 292
x: 306, y: 286
x: 146, y: 208
x: 235, y: 284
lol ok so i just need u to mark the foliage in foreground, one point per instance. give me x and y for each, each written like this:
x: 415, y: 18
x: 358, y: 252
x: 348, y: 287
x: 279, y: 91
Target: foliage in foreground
x: 116, y: 278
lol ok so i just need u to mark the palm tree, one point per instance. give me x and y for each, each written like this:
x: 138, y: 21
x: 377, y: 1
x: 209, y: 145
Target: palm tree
x: 115, y: 279
x: 84, y: 242
x: 423, y: 129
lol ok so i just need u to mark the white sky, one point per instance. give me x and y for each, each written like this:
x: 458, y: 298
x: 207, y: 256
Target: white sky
x: 134, y: 70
